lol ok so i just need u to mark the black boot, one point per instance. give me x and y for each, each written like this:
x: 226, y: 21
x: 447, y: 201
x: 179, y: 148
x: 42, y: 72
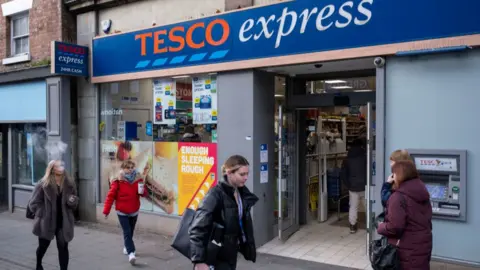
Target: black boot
x: 353, y: 228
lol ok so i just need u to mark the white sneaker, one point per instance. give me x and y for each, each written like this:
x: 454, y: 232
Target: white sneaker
x: 131, y: 258
x: 125, y: 251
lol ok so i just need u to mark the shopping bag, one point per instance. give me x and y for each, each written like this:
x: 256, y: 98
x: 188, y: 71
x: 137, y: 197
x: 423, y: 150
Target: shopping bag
x: 181, y: 239
x: 384, y: 256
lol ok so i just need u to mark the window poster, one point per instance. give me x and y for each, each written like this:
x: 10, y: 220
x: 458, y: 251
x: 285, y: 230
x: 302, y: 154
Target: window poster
x: 205, y: 100
x: 164, y: 98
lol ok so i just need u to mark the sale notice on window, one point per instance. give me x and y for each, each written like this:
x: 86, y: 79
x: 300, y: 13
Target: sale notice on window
x: 197, y: 171
x: 164, y: 102
x: 204, y: 100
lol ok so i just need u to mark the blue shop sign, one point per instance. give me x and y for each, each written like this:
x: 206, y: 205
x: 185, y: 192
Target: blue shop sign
x: 69, y: 59
x: 288, y: 28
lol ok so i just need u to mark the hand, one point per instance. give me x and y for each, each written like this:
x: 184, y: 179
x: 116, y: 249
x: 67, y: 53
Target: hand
x: 146, y: 169
x: 391, y: 179
x: 106, y: 216
x: 71, y: 198
x: 201, y: 266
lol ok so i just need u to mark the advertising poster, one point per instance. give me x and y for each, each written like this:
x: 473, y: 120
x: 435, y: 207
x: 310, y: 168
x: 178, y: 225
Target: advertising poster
x: 113, y: 153
x: 164, y: 98
x: 204, y: 100
x: 163, y: 185
x: 177, y: 175
x: 197, y: 169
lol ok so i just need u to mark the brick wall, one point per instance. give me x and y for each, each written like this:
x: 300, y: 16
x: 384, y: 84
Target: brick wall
x: 48, y: 21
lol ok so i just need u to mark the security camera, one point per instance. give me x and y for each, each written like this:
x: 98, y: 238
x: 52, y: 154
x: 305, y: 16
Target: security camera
x: 379, y: 62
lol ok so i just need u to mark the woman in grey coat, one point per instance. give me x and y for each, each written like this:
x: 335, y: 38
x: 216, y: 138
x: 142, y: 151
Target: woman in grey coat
x: 53, y: 201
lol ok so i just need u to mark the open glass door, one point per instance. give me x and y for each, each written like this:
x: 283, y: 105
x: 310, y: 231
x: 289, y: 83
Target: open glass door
x: 287, y: 184
x: 370, y: 215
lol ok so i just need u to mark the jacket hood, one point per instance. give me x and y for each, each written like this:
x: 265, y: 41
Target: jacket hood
x: 415, y: 189
x: 356, y: 151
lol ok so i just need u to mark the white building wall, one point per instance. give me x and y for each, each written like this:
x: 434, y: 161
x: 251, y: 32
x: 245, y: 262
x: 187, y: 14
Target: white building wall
x: 143, y: 14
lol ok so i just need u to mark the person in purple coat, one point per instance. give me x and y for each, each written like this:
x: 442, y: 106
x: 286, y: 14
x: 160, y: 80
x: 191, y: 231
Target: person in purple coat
x: 408, y: 218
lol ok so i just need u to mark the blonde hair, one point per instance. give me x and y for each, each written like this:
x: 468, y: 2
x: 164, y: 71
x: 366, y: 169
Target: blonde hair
x: 49, y: 179
x: 400, y: 155
x: 234, y: 163
x: 128, y: 163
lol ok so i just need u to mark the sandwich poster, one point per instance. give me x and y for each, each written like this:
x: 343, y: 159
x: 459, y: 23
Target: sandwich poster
x: 172, y: 183
x: 197, y: 166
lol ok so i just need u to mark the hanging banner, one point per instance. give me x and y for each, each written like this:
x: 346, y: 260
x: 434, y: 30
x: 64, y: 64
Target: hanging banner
x: 164, y: 97
x: 197, y: 169
x: 205, y: 100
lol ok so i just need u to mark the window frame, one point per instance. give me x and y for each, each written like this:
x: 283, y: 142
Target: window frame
x: 15, y: 38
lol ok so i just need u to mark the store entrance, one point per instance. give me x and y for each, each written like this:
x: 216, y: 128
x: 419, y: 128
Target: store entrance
x: 3, y: 167
x: 314, y: 143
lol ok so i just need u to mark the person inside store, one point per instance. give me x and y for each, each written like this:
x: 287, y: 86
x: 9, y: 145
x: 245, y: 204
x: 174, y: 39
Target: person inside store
x: 229, y: 204
x: 354, y: 177
x: 53, y: 202
x: 408, y: 218
x: 397, y: 155
x: 125, y: 191
x: 190, y: 135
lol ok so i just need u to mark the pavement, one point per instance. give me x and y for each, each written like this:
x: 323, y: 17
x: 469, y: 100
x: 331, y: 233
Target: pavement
x: 99, y: 247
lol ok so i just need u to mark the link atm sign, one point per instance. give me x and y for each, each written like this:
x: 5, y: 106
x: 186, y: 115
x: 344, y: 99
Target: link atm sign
x: 69, y: 59
x: 289, y: 28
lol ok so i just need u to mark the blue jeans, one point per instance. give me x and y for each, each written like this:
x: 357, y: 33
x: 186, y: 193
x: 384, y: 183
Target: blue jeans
x: 128, y: 227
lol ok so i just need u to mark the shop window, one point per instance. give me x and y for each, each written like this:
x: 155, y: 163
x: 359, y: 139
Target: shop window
x: 29, y: 153
x: 167, y: 126
x: 20, y: 34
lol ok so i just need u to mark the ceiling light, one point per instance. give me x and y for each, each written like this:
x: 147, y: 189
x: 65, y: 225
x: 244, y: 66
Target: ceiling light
x: 341, y: 87
x: 363, y: 90
x: 278, y: 95
x: 335, y: 81
x: 180, y: 77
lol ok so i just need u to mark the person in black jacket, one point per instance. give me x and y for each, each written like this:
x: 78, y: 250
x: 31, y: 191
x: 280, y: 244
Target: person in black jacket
x: 229, y: 204
x: 354, y: 176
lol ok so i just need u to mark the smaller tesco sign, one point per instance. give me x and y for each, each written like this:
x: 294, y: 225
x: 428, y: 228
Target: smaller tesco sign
x: 69, y: 59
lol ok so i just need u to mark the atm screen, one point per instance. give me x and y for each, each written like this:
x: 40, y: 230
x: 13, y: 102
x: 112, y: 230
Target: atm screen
x: 437, y: 191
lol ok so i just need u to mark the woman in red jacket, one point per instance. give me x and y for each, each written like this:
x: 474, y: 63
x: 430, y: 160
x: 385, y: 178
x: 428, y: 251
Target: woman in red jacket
x: 126, y: 191
x: 408, y: 221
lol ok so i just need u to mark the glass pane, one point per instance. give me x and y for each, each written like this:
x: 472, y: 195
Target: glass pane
x: 25, y: 43
x: 30, y: 153
x: 149, y: 122
x: 18, y: 46
x: 20, y: 26
x: 340, y: 85
x: 288, y: 170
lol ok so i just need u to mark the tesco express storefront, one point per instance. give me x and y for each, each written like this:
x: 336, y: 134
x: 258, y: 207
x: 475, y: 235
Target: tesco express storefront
x: 156, y: 82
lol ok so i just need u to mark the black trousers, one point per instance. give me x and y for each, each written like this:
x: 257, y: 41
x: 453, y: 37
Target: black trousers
x: 62, y: 246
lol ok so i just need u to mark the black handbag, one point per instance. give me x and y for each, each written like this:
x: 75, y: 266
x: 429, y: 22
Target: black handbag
x: 29, y: 214
x: 384, y: 256
x: 181, y: 239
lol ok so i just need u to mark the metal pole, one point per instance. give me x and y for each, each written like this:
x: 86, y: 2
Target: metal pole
x: 369, y: 176
x: 279, y: 180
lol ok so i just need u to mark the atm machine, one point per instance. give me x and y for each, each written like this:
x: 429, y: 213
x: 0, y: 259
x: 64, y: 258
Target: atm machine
x: 444, y: 173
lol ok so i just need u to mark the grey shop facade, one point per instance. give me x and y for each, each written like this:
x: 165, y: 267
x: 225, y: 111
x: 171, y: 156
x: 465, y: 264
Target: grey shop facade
x: 218, y: 73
